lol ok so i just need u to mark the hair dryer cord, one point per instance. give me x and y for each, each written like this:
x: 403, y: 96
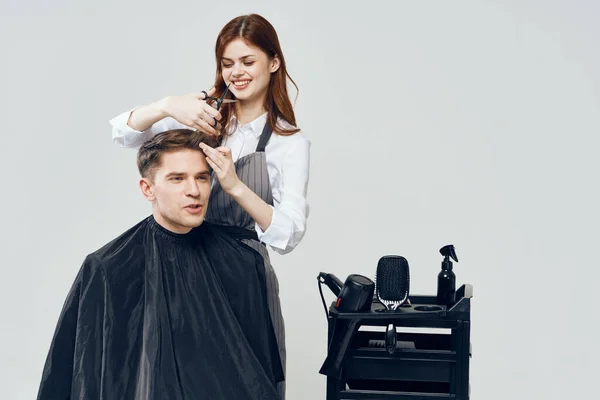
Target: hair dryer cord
x: 320, y: 281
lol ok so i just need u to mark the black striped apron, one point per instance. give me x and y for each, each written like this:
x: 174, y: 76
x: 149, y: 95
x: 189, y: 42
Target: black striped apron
x: 224, y: 210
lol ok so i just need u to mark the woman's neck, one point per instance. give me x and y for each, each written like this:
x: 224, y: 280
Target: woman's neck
x: 248, y: 111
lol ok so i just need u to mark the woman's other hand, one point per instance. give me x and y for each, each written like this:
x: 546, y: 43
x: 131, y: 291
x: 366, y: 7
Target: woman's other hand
x: 221, y: 162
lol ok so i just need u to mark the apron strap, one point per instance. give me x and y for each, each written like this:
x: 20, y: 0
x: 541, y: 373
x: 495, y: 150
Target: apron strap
x: 237, y: 232
x: 264, y: 138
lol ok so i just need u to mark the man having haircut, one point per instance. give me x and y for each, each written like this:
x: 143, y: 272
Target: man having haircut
x: 173, y: 308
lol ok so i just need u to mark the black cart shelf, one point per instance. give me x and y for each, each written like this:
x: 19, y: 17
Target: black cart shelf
x: 425, y: 365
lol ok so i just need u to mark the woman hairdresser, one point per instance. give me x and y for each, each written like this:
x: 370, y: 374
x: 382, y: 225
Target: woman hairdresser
x: 259, y: 143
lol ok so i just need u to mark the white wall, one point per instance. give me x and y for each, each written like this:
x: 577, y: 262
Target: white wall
x: 472, y: 123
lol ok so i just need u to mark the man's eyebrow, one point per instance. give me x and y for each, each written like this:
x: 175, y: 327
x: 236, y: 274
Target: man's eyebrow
x: 174, y: 174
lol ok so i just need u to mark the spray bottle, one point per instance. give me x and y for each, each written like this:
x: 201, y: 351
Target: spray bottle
x: 446, y: 278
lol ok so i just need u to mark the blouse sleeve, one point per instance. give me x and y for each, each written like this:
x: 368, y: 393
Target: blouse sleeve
x: 288, y: 224
x: 125, y: 136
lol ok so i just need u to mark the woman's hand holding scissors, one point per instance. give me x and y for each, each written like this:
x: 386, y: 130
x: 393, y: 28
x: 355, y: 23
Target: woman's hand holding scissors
x: 192, y: 110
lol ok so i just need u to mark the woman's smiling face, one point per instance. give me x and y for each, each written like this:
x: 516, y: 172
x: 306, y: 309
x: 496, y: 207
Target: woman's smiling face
x: 248, y: 69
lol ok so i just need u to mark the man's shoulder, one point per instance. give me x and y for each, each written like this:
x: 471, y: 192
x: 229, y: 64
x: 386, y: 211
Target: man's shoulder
x: 125, y: 248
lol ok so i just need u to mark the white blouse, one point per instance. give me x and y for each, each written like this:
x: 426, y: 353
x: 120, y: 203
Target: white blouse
x: 288, y: 159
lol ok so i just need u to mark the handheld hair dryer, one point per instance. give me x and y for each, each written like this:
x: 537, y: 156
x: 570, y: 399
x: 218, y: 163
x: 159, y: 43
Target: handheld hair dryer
x: 354, y: 295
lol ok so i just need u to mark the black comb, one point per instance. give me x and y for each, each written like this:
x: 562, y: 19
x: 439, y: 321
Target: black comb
x: 392, y: 281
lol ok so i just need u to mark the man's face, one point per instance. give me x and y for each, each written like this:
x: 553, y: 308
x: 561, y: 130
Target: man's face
x: 180, y: 190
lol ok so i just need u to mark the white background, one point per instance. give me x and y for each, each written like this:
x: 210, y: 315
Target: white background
x: 464, y: 122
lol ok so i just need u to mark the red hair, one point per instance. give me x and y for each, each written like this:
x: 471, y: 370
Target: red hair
x: 258, y: 32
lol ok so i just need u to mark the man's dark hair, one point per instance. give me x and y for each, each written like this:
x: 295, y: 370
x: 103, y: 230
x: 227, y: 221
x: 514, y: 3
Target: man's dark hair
x: 149, y: 154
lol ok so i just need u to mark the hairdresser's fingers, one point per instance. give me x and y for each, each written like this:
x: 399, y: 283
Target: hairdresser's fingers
x: 216, y: 156
x: 213, y: 112
x: 202, y: 126
x: 212, y: 121
x: 210, y: 151
x: 209, y: 119
x: 203, y: 95
x: 214, y: 166
x: 226, y: 151
x: 212, y: 91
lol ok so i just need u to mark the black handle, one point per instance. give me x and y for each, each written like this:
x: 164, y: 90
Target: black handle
x: 390, y: 338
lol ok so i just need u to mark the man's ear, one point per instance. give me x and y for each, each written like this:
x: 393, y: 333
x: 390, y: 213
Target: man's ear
x: 147, y: 189
x: 275, y: 63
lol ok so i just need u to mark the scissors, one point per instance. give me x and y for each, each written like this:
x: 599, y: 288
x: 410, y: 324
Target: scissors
x: 220, y: 100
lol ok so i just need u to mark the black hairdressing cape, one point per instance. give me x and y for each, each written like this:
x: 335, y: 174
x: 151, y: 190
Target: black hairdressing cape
x: 157, y: 315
